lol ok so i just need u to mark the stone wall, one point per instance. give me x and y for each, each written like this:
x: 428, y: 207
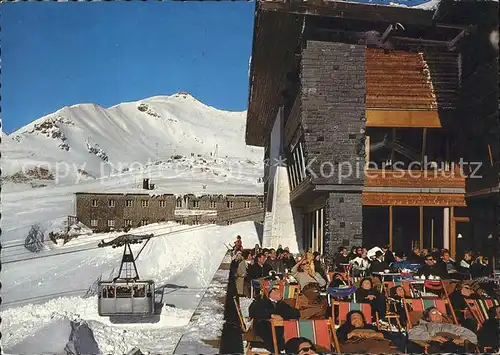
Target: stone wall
x: 333, y: 121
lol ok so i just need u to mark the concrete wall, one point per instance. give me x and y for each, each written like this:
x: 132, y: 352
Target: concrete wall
x: 279, y: 226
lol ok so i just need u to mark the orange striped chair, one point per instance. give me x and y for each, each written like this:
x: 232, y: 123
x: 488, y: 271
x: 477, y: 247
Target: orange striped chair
x: 418, y: 306
x: 479, y: 309
x: 341, y: 309
x: 288, y: 291
x: 404, y: 283
x: 319, y: 331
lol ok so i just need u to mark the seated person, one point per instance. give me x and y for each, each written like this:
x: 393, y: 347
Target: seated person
x: 309, y: 282
x: 300, y: 346
x: 262, y: 310
x: 356, y: 336
x: 378, y: 265
x: 457, y: 299
x: 338, y: 281
x: 431, y: 268
x: 488, y: 334
x: 397, y: 293
x: 442, y: 337
x: 367, y: 294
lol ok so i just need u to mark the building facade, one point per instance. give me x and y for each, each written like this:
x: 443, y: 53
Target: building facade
x: 383, y: 115
x: 117, y: 211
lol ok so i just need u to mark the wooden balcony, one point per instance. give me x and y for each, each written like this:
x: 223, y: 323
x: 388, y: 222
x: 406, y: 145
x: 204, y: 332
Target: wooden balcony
x: 415, y: 179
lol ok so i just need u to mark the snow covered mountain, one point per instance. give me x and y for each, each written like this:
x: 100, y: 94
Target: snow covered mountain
x: 89, y: 141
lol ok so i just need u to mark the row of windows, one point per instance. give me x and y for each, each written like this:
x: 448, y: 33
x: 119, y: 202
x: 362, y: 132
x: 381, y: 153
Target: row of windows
x: 196, y: 204
x: 128, y: 222
x: 296, y: 166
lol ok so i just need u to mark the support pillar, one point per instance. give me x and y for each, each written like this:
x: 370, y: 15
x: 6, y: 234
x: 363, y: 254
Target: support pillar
x: 446, y: 228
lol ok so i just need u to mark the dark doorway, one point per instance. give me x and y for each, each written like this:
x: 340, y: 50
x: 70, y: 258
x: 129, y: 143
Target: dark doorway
x: 433, y: 227
x: 406, y: 228
x: 375, y: 226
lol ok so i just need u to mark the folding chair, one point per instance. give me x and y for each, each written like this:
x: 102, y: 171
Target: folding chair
x: 319, y: 331
x: 288, y: 291
x: 252, y: 340
x: 345, y: 276
x: 392, y: 313
x: 338, y: 293
x: 436, y: 287
x: 479, y: 309
x: 340, y: 310
x: 420, y: 305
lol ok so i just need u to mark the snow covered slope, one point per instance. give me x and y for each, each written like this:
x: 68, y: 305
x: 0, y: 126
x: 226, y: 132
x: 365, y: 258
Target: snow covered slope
x: 182, y: 145
x: 44, y: 294
x: 90, y: 141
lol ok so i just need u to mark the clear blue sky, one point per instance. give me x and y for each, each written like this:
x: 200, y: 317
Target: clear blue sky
x: 57, y: 54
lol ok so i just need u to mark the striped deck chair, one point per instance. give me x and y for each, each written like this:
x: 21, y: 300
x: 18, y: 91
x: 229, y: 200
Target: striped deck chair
x: 264, y: 285
x: 406, y: 284
x: 319, y: 331
x: 251, y: 339
x: 479, y: 308
x: 418, y: 306
x: 288, y: 291
x: 340, y: 310
x: 345, y: 276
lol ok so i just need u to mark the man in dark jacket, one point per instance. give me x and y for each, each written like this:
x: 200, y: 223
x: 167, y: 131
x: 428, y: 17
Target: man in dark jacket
x: 431, y: 268
x: 260, y: 268
x: 288, y: 259
x: 275, y: 263
x: 378, y: 265
x: 262, y: 310
x: 388, y: 255
x: 341, y: 258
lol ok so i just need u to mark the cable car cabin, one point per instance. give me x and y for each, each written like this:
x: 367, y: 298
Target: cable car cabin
x: 123, y: 298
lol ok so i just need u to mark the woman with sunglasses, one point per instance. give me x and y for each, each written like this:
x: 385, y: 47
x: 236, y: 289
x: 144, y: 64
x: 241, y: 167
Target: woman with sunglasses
x: 300, y: 346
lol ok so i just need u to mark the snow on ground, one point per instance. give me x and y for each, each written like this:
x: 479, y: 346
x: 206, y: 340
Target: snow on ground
x: 184, y: 147
x: 188, y: 257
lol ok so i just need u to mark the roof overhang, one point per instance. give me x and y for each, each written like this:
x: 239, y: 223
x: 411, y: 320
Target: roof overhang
x: 278, y: 32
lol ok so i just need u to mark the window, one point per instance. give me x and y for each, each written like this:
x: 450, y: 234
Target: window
x: 144, y: 222
x: 229, y: 223
x: 163, y: 203
x: 94, y: 203
x: 145, y: 203
x: 247, y: 204
x: 213, y: 204
x: 128, y: 203
x: 296, y: 166
x: 230, y: 204
x: 111, y: 222
x: 94, y: 223
x: 178, y: 203
x: 111, y: 203
x: 128, y: 222
x: 196, y: 204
